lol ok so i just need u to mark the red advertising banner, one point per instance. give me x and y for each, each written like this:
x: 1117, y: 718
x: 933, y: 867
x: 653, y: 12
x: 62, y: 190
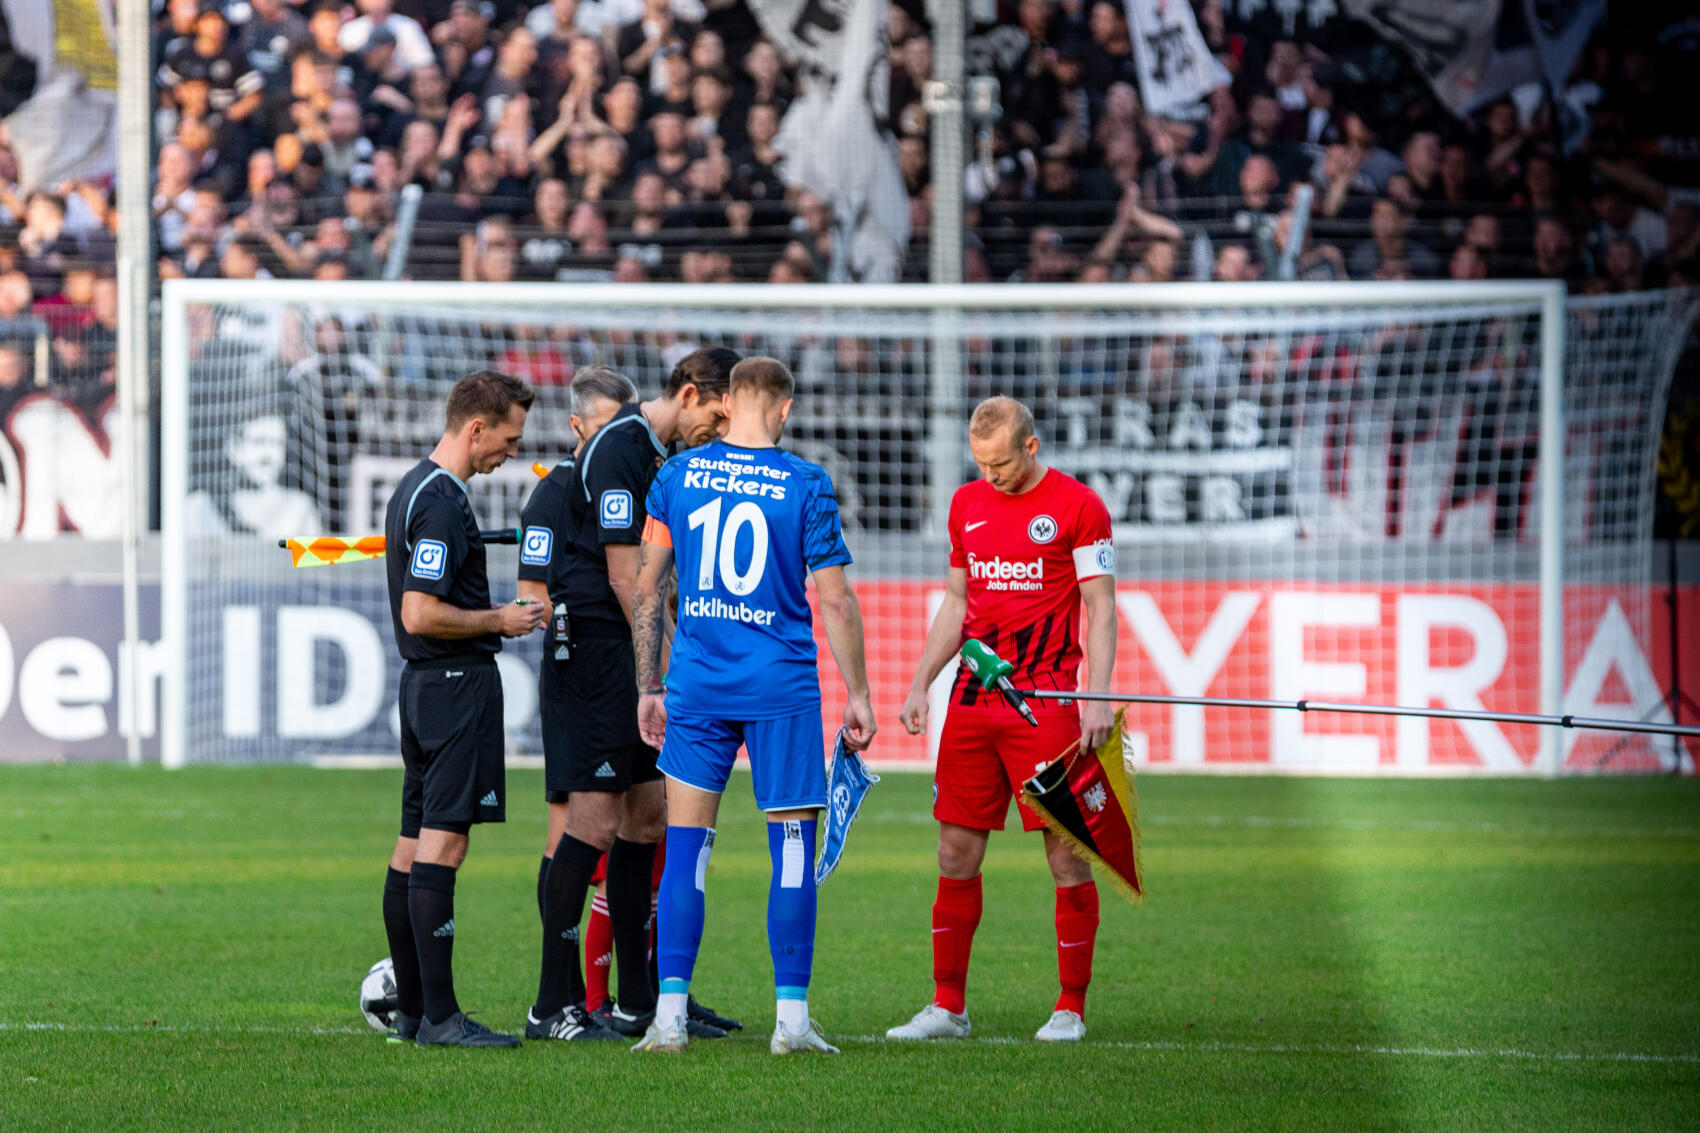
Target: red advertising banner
x: 1452, y: 646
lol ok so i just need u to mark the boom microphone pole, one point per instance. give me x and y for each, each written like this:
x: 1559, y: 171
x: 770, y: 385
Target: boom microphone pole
x: 993, y: 673
x: 991, y: 660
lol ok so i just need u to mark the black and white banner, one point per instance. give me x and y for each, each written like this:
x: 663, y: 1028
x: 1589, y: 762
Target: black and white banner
x: 1472, y: 52
x: 1449, y: 42
x: 1176, y: 68
x: 836, y: 139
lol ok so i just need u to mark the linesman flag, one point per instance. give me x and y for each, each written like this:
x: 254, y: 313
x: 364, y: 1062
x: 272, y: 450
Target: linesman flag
x: 1088, y: 801
x: 326, y: 550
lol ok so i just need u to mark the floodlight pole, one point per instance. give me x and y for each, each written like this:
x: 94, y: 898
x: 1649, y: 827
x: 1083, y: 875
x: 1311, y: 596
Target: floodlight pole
x: 947, y: 129
x: 135, y: 291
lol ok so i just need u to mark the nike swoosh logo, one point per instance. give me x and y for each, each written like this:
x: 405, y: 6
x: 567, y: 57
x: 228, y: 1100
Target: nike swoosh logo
x: 972, y: 526
x: 936, y: 931
x: 1075, y: 944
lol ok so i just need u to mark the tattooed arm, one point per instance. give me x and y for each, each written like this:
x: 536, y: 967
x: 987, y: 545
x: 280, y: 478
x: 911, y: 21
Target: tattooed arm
x: 648, y: 629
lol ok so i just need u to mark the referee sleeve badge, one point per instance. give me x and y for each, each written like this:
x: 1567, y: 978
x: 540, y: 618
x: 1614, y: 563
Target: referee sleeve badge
x: 430, y: 558
x: 535, y: 548
x: 616, y: 508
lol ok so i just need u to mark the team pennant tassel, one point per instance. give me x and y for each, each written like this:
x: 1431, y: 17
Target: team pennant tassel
x: 327, y: 550
x: 1088, y: 800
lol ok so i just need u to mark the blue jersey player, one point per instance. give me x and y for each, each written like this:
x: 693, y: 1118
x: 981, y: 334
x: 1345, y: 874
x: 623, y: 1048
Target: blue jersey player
x: 747, y: 524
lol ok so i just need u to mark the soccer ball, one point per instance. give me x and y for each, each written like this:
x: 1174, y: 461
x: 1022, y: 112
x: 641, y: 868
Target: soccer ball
x: 378, y: 995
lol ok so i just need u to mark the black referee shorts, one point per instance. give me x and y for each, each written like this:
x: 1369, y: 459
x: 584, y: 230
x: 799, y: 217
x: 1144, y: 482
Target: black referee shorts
x: 589, y: 709
x: 451, y: 745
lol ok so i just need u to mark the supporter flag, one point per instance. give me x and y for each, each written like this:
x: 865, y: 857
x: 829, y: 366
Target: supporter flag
x: 1176, y: 68
x: 1087, y: 800
x: 836, y: 140
x: 58, y: 89
x: 1449, y: 42
x: 1560, y: 29
x: 1472, y: 52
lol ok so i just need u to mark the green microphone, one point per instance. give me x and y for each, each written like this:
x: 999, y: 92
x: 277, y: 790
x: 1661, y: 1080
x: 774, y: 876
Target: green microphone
x: 993, y: 673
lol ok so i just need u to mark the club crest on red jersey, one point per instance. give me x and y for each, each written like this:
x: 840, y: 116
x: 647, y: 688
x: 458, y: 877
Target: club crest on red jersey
x: 1042, y: 529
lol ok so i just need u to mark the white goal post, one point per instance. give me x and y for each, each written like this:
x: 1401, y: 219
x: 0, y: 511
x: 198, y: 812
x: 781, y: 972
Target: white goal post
x: 1347, y: 491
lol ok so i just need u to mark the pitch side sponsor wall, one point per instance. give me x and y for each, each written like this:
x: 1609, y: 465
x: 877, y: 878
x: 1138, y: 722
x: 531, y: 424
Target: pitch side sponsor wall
x: 293, y: 680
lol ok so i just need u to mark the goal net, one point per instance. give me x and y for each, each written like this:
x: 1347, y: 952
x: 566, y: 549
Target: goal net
x: 1341, y: 493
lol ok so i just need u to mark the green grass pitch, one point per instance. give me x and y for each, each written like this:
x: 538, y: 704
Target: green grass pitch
x: 182, y: 950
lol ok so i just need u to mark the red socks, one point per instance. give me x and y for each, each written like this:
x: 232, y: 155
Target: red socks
x: 1077, y: 930
x: 598, y: 953
x: 956, y: 914
x: 599, y: 938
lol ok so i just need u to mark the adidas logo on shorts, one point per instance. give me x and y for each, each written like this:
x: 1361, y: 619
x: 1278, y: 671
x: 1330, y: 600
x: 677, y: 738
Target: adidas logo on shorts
x: 489, y: 800
x: 606, y: 771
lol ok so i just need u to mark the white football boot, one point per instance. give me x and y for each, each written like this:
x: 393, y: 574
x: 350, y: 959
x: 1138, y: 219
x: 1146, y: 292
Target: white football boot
x: 669, y: 1038
x: 1063, y: 1027
x: 933, y: 1022
x: 787, y: 1041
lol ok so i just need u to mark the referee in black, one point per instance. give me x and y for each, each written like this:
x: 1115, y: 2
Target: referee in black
x: 448, y: 634
x: 583, y: 531
x: 598, y: 393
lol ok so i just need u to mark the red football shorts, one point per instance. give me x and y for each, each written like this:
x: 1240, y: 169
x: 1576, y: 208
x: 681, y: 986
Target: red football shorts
x: 986, y: 754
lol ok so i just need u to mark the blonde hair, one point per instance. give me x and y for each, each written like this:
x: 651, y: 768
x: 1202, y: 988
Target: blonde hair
x: 994, y: 413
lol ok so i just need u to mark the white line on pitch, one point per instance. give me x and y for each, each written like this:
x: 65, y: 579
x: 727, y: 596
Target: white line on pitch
x: 1175, y: 1047
x: 1276, y: 1048
x: 1259, y: 822
x: 173, y: 1029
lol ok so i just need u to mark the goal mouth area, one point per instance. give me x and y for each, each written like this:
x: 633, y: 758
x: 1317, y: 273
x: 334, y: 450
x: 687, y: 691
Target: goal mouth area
x: 1320, y: 486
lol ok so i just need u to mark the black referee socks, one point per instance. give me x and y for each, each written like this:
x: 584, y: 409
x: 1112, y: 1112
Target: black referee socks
x: 431, y: 904
x: 560, y: 980
x: 404, y: 954
x: 630, y: 869
x: 542, y: 887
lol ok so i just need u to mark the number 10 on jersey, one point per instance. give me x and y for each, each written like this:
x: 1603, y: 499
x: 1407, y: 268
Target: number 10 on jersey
x: 720, y: 545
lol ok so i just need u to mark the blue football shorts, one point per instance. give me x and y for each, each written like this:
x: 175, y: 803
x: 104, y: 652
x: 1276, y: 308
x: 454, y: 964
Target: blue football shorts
x: 787, y: 757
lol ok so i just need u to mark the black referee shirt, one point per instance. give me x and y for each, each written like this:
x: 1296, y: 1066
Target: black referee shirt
x: 584, y: 505
x: 431, y: 543
x: 543, y: 522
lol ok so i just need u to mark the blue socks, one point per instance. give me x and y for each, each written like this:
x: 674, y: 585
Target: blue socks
x: 790, y: 915
x: 791, y: 906
x: 680, y: 907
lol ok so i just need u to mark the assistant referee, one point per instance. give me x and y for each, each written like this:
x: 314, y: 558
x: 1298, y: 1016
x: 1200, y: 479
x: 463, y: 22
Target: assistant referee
x: 451, y: 698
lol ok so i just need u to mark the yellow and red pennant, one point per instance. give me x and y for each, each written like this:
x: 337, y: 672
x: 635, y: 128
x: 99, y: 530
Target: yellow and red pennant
x: 327, y: 550
x: 1087, y: 800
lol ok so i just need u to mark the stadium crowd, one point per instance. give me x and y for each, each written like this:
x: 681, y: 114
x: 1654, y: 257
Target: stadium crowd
x: 632, y: 140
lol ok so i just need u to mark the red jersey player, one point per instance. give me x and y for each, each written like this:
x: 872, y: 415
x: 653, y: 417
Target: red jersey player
x: 1029, y: 546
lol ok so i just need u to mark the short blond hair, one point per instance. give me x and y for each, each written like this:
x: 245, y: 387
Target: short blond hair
x: 767, y: 378
x: 994, y: 413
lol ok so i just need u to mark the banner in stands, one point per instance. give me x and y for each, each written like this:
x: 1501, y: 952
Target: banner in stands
x: 302, y: 680
x: 1175, y: 66
x: 1474, y: 51
x: 1449, y: 42
x: 836, y: 137
x: 60, y: 90
x: 58, y: 469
